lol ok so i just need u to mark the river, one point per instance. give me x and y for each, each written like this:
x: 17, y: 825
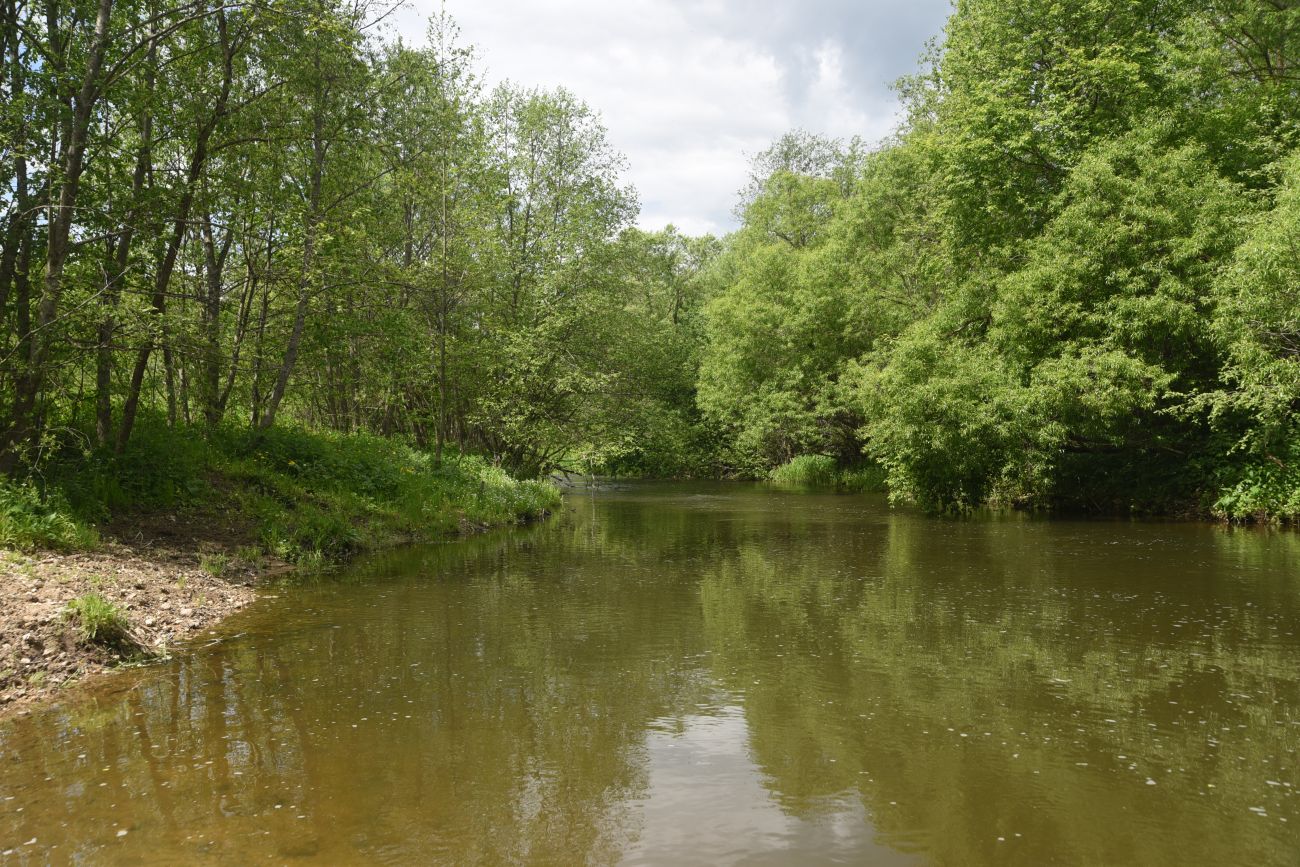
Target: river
x: 709, y: 674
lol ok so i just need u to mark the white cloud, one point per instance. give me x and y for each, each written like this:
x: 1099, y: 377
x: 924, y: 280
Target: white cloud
x: 687, y: 88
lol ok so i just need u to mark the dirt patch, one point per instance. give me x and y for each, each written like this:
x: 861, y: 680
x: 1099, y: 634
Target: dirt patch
x: 169, y: 586
x: 216, y: 527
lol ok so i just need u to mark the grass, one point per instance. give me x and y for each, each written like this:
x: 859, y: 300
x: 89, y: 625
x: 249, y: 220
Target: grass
x: 822, y: 471
x: 29, y: 520
x: 98, y: 620
x: 214, y: 564
x: 318, y: 498
x: 310, y: 498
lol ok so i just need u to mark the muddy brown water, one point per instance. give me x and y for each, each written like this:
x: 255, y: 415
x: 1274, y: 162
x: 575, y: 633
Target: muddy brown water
x: 675, y: 674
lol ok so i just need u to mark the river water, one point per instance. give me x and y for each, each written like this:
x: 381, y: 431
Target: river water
x: 711, y: 674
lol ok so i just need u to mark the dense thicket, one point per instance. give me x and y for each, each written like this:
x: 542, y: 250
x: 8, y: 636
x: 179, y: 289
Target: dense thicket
x: 1071, y: 279
x: 237, y: 214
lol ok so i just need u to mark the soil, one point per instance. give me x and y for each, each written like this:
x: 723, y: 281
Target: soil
x: 172, y: 576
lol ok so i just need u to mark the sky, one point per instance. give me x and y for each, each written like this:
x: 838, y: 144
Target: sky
x: 690, y: 90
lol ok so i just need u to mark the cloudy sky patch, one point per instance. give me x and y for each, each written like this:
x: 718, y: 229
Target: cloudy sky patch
x: 689, y: 89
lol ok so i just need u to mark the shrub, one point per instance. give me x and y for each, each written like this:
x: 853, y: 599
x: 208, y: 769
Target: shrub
x: 1265, y: 488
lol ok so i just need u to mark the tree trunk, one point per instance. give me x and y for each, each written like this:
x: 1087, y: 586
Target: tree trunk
x: 213, y: 273
x: 162, y: 278
x: 118, y: 265
x: 73, y: 144
x: 306, y: 278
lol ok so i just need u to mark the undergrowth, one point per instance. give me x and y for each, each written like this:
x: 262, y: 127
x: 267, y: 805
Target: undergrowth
x: 320, y: 497
x: 30, y: 520
x: 311, y: 498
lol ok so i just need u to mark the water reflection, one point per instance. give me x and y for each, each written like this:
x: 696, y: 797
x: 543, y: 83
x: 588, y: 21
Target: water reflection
x: 705, y: 675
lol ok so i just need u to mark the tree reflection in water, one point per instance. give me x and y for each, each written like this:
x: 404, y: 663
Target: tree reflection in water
x: 714, y: 673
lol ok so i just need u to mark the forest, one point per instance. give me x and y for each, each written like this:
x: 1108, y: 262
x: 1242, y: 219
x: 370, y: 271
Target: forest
x: 1069, y: 280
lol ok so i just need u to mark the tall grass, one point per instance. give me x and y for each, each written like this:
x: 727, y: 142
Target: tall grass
x: 320, y: 497
x: 822, y: 471
x: 30, y: 520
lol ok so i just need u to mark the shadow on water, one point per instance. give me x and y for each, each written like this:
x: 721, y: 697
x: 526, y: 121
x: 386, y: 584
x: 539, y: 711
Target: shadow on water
x: 710, y: 674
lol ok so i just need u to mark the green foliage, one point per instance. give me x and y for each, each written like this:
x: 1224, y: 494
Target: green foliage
x: 311, y: 497
x: 214, y: 564
x: 823, y: 471
x: 819, y: 470
x: 1067, y: 282
x: 1027, y: 89
x: 938, y: 419
x: 98, y: 620
x: 784, y: 320
x: 1259, y: 322
x: 162, y: 467
x: 29, y: 520
x: 1262, y: 488
x: 1077, y: 362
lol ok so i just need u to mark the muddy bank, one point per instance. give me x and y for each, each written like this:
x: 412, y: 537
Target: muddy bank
x: 167, y: 594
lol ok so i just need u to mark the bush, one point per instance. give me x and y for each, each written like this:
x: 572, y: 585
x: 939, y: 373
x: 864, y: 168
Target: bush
x: 1265, y: 489
x: 98, y: 620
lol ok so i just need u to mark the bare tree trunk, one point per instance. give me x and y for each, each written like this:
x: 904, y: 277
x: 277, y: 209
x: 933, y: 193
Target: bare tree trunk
x: 169, y: 377
x: 18, y: 230
x: 258, y: 346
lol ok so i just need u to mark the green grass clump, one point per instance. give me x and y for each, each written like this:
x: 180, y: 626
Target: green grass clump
x: 29, y: 520
x: 163, y: 468
x: 819, y: 470
x: 214, y: 564
x: 869, y: 478
x: 822, y: 471
x: 98, y: 620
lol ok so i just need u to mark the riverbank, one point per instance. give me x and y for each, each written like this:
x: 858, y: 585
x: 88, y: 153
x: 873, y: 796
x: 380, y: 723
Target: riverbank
x: 116, y: 559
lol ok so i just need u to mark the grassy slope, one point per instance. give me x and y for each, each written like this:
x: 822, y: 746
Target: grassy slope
x: 306, y: 497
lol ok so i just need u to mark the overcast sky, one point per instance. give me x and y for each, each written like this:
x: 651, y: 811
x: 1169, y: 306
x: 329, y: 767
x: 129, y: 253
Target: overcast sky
x: 689, y: 89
